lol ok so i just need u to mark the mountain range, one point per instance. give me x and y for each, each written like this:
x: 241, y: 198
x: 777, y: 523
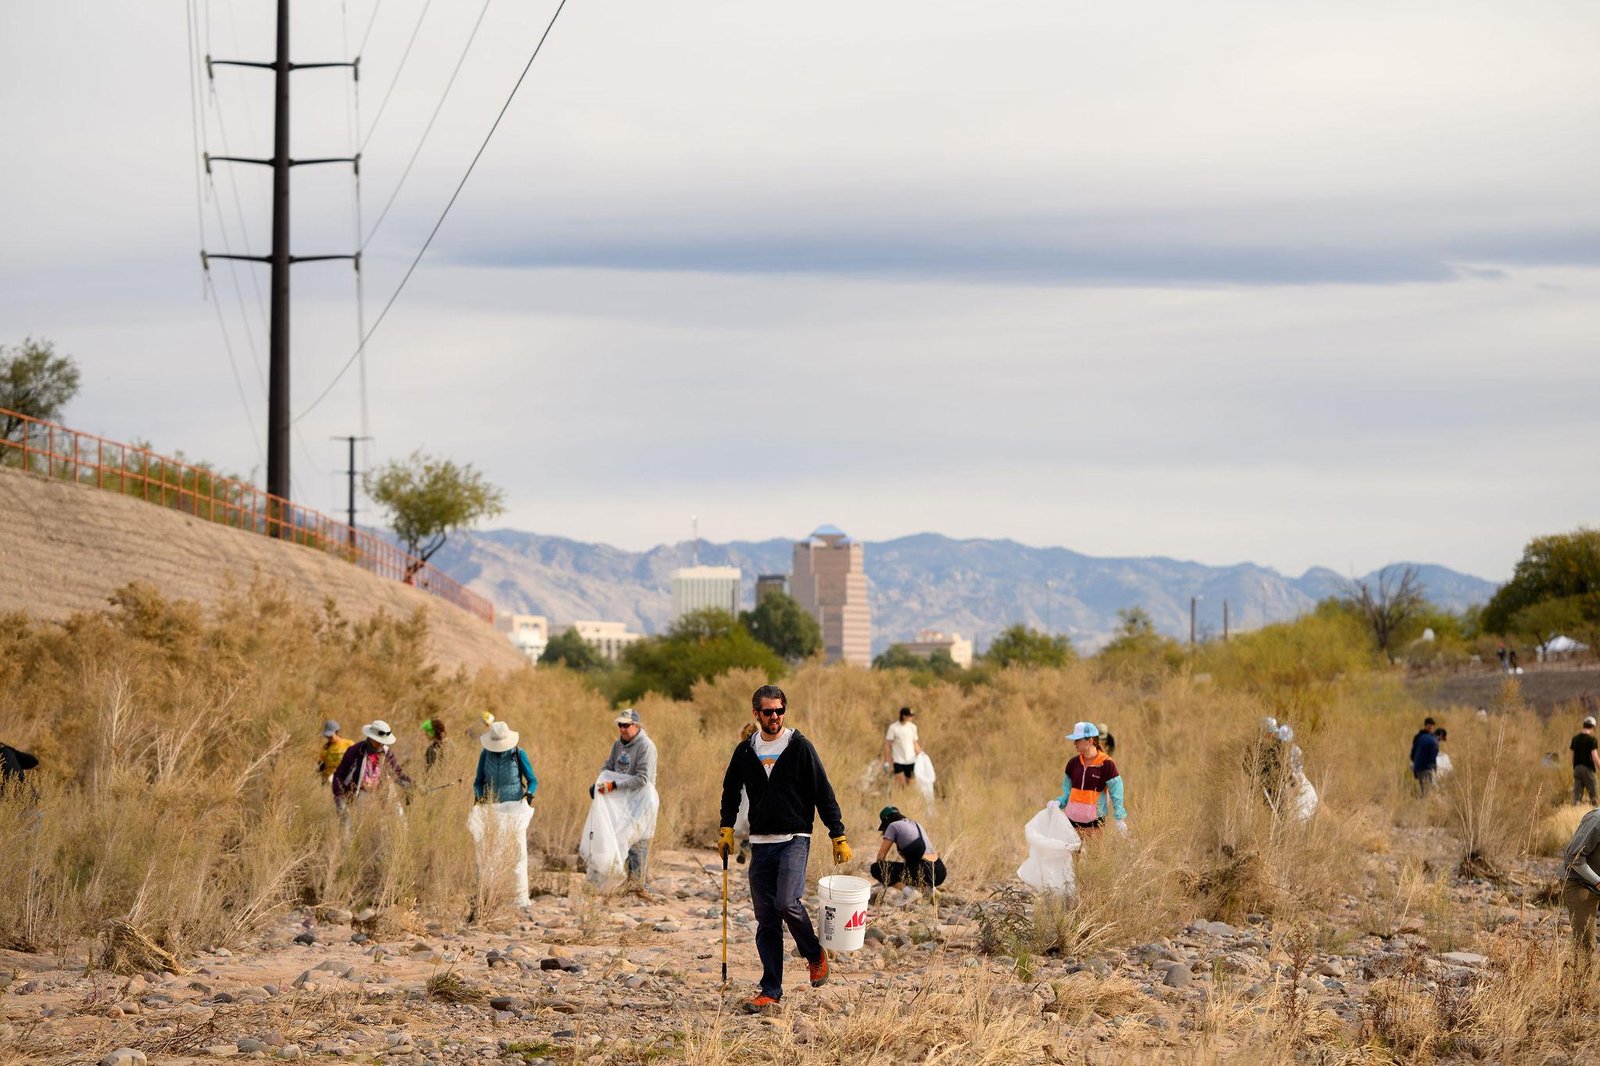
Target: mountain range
x: 926, y: 581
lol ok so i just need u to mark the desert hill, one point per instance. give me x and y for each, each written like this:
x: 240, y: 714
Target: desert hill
x: 66, y: 547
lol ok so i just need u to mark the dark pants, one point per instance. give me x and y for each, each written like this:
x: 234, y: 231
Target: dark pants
x: 919, y: 874
x: 1583, y: 785
x: 1424, y: 780
x: 777, y: 891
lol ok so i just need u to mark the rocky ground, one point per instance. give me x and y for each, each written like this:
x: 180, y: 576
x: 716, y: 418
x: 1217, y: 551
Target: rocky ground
x: 594, y: 978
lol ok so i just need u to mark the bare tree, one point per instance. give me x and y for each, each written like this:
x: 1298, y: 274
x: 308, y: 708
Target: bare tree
x: 1387, y: 601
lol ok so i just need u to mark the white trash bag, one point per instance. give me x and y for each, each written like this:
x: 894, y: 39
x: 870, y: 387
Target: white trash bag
x: 500, y: 833
x: 741, y: 821
x: 1051, y: 842
x: 1303, y: 800
x: 924, y: 776
x: 617, y: 821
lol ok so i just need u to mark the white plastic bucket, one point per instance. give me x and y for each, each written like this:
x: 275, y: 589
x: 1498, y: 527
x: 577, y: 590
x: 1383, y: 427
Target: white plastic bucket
x: 843, y: 901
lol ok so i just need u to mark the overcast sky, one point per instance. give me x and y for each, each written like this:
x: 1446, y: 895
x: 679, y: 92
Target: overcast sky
x: 1309, y: 283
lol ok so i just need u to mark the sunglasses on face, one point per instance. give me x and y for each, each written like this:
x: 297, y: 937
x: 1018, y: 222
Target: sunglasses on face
x: 775, y: 712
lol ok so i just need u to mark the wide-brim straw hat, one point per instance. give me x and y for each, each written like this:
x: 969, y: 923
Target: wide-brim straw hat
x: 379, y: 731
x: 500, y: 737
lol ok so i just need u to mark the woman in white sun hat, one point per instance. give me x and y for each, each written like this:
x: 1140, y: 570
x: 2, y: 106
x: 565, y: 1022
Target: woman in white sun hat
x: 502, y: 792
x: 361, y: 769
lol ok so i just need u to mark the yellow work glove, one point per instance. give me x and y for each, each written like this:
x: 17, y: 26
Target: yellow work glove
x: 841, y: 851
x: 724, y: 842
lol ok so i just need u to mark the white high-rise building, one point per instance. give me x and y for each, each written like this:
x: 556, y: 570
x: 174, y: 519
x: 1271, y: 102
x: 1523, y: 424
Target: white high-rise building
x: 695, y: 588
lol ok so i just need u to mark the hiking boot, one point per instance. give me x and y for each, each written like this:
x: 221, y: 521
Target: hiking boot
x: 819, y: 970
x: 762, y: 1004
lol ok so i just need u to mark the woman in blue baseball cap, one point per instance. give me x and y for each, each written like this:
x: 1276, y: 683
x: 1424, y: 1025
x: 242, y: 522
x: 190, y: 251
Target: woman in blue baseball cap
x: 1091, y: 787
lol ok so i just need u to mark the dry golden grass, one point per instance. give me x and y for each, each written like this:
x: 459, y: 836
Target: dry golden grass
x: 178, y: 796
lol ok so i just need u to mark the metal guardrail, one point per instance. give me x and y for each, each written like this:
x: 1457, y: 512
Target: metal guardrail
x: 63, y: 454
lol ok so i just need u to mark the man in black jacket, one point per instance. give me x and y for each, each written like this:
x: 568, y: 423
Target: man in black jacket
x: 783, y: 776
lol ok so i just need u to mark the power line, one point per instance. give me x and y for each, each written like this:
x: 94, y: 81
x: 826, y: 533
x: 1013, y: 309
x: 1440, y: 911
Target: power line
x: 442, y: 215
x: 460, y: 61
x: 370, y: 23
x: 397, y: 72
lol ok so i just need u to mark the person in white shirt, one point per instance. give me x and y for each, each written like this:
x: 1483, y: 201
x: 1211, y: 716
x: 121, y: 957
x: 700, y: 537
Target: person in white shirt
x: 901, y: 748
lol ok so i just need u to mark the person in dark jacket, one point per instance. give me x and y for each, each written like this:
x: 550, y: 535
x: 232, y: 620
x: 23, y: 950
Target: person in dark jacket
x: 361, y: 769
x: 434, y: 730
x: 788, y: 787
x: 14, y: 766
x: 1424, y: 756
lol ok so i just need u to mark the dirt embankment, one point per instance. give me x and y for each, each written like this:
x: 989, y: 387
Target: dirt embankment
x: 1545, y: 689
x: 66, y: 547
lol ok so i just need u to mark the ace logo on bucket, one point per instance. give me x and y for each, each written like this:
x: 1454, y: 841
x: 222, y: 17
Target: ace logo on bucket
x: 858, y: 920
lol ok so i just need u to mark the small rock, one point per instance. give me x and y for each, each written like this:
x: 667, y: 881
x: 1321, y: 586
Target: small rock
x: 222, y: 1051
x: 1330, y: 968
x: 307, y: 938
x: 561, y: 1006
x: 665, y: 927
x: 289, y: 1051
x: 222, y: 997
x: 222, y: 953
x: 1178, y: 976
x: 124, y: 1056
x: 334, y: 915
x: 875, y: 935
x: 1464, y: 958
x: 249, y: 1045
x: 505, y: 1003
x: 550, y: 964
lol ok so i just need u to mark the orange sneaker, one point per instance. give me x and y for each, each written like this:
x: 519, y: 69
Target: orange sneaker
x: 819, y: 970
x: 762, y: 1004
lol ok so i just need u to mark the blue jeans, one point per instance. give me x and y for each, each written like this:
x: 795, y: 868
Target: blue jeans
x: 638, y: 862
x: 777, y: 891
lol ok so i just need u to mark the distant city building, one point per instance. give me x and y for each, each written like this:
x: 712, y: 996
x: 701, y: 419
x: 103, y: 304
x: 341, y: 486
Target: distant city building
x: 931, y: 641
x: 767, y: 584
x: 530, y: 633
x: 830, y: 582
x: 695, y: 588
x: 610, y: 639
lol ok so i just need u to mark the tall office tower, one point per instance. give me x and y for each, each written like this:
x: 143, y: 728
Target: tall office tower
x: 830, y: 581
x: 694, y: 588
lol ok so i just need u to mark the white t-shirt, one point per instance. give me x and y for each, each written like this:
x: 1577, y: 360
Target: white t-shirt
x: 902, y: 738
x: 768, y: 751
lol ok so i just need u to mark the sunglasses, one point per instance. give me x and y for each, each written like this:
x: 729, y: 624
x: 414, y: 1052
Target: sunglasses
x: 775, y: 712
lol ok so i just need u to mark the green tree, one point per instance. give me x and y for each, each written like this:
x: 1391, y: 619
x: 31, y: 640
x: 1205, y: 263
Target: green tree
x: 34, y: 381
x: 1560, y: 566
x: 900, y: 657
x: 428, y: 499
x: 1019, y: 645
x: 701, y: 645
x: 779, y: 622
x: 1138, y: 650
x: 572, y: 651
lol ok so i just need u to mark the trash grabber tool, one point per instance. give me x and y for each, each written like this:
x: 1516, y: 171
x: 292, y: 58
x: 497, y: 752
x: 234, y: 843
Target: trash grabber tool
x: 724, y: 921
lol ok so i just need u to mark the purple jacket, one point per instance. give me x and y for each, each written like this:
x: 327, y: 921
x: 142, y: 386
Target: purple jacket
x: 347, y: 778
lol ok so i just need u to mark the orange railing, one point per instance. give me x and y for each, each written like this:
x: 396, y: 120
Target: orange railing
x: 65, y: 454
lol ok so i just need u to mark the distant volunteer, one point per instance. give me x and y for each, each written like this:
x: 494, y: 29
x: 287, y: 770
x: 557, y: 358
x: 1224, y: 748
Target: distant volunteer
x: 901, y: 748
x: 781, y: 772
x: 502, y: 793
x: 333, y: 748
x: 919, y: 866
x: 362, y: 768
x: 633, y: 759
x: 1091, y: 787
x: 1585, y: 761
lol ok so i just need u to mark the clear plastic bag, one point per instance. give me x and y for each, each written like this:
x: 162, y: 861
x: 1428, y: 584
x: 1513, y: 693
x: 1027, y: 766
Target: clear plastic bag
x: 924, y: 776
x: 500, y: 833
x: 617, y: 821
x: 1051, y: 842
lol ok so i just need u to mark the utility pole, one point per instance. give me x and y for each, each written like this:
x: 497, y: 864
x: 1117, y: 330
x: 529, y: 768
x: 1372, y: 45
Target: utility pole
x: 1193, y: 601
x: 1224, y: 621
x: 352, y: 473
x: 279, y: 415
